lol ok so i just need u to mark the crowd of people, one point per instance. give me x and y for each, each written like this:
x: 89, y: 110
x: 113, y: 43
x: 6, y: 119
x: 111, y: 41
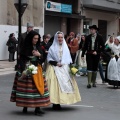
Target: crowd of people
x: 53, y: 56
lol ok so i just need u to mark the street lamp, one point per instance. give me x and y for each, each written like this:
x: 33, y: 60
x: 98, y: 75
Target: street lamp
x: 20, y: 5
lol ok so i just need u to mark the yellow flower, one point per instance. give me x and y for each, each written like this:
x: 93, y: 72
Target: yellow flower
x: 74, y: 70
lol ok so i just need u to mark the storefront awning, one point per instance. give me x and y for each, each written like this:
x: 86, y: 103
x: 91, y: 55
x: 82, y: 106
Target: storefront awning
x: 59, y: 14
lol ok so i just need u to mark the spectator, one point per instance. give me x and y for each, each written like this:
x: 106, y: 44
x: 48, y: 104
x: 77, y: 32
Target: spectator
x: 23, y: 36
x: 45, y: 45
x: 73, y: 45
x: 11, y: 43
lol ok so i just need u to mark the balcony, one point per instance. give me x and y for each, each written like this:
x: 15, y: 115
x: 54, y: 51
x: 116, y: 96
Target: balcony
x: 108, y: 5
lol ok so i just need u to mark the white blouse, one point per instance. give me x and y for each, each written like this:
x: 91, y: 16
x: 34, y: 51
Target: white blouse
x: 116, y: 49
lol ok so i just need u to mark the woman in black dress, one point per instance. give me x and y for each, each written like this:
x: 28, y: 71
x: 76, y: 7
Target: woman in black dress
x: 31, y: 91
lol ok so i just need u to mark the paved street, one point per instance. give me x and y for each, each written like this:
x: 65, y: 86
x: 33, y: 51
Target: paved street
x: 7, y: 67
x: 101, y: 103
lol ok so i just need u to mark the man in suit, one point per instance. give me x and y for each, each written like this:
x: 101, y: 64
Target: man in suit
x: 23, y: 36
x: 73, y: 45
x: 21, y: 45
x: 94, y: 44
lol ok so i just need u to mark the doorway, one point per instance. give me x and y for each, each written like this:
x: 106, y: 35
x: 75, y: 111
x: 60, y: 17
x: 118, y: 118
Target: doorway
x: 102, y: 25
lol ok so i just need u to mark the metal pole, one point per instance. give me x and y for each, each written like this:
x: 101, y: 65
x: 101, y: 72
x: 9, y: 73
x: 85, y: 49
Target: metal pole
x: 19, y: 29
x: 20, y: 14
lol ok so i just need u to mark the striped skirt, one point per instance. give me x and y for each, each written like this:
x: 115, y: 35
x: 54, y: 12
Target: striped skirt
x: 25, y: 93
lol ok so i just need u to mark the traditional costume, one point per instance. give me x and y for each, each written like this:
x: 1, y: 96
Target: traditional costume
x: 30, y: 90
x: 62, y: 86
x: 93, y: 43
x: 114, y: 66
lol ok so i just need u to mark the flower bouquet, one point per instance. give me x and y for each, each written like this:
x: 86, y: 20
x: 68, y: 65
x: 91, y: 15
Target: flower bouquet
x: 73, y: 69
x: 29, y: 71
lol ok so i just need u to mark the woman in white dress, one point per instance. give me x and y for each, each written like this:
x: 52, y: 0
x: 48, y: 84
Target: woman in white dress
x: 62, y: 86
x: 114, y: 64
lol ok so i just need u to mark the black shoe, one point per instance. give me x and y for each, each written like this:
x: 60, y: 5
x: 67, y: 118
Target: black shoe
x: 39, y: 112
x: 56, y: 107
x: 94, y: 85
x: 88, y: 86
x: 59, y: 107
x: 25, y: 110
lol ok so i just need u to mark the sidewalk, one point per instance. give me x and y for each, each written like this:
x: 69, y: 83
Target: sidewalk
x: 7, y: 67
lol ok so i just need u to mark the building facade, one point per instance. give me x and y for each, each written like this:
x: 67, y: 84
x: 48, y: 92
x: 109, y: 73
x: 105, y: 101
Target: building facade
x: 33, y: 14
x: 49, y: 16
x: 104, y: 13
x: 62, y: 15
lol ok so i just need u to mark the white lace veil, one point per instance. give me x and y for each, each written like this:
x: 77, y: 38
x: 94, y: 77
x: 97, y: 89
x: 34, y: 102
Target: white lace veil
x: 53, y: 53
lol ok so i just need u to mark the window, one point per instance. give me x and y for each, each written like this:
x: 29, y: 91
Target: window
x: 86, y: 24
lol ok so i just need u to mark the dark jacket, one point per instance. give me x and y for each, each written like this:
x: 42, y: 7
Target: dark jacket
x: 21, y: 42
x: 11, y: 43
x: 45, y: 47
x: 106, y: 54
x: 81, y: 45
x: 98, y: 47
x: 27, y: 49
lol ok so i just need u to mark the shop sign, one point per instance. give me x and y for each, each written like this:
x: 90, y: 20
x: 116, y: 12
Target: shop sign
x: 58, y: 7
x: 66, y: 8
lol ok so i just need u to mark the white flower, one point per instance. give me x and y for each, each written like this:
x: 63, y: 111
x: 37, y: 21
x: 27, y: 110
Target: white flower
x: 30, y: 67
x: 35, y: 69
x: 34, y: 72
x: 33, y: 65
